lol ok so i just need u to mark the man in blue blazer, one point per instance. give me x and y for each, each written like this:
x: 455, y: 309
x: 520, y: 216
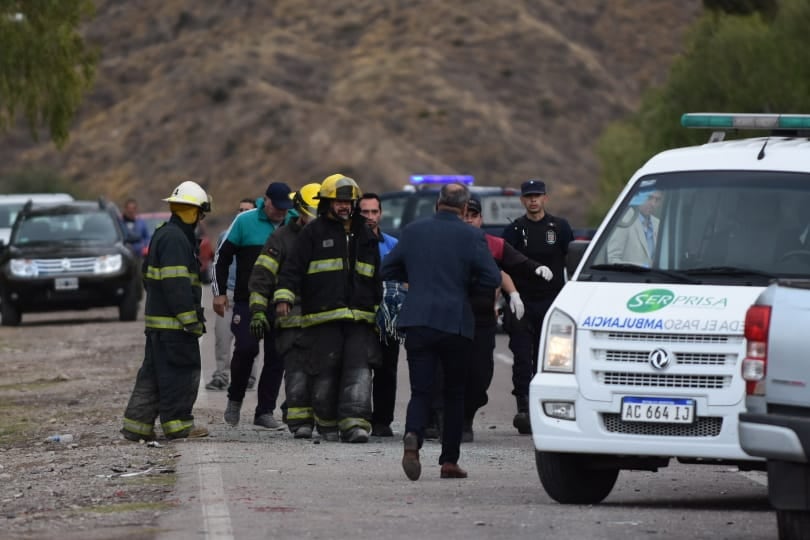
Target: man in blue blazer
x: 440, y: 258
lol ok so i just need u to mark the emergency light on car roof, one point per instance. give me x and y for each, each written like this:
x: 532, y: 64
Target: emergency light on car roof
x: 425, y: 179
x: 746, y: 121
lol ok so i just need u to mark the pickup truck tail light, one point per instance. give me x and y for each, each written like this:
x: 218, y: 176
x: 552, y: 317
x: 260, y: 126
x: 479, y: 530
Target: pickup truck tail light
x: 757, y: 324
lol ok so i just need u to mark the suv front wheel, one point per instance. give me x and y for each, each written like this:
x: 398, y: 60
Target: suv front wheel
x: 128, y: 308
x: 10, y: 314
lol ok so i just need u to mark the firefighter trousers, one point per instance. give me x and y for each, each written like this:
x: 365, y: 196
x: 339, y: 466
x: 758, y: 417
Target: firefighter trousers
x: 166, y: 385
x: 336, y: 359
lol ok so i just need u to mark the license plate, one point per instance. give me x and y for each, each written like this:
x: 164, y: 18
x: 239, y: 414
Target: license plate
x: 66, y: 283
x: 658, y: 410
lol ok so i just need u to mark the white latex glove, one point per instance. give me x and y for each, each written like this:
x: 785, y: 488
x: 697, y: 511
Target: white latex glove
x: 544, y: 272
x: 516, y: 305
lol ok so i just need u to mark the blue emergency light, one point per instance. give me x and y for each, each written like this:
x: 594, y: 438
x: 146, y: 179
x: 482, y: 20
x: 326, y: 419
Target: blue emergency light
x: 426, y: 179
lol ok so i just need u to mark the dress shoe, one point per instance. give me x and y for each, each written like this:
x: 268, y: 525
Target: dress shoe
x: 452, y: 470
x: 410, y: 457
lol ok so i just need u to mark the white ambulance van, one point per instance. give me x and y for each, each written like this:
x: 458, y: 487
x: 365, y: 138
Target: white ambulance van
x: 640, y: 353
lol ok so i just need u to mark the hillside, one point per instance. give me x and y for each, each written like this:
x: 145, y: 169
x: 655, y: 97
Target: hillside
x: 239, y: 93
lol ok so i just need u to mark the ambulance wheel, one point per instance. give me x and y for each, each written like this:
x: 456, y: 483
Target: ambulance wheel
x: 793, y: 524
x: 568, y: 480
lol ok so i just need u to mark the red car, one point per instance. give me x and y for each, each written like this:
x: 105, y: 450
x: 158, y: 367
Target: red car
x: 153, y: 219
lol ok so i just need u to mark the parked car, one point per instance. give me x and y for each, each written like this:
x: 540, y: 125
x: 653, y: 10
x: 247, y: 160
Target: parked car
x: 153, y: 219
x: 10, y: 206
x: 67, y: 256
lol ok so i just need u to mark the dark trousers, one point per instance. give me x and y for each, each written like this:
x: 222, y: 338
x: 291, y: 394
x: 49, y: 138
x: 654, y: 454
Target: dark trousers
x: 524, y: 341
x: 479, y: 374
x: 428, y: 348
x: 340, y: 354
x: 245, y: 349
x: 384, y: 384
x: 166, y: 384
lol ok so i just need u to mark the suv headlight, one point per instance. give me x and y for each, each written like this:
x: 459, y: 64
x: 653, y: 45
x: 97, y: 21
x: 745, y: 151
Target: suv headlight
x: 23, y: 268
x: 558, y: 354
x: 107, y: 264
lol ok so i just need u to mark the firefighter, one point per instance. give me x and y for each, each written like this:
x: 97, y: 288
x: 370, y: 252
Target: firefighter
x: 334, y: 267
x: 262, y: 284
x: 169, y: 377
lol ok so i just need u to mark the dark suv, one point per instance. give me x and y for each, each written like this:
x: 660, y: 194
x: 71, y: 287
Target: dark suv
x: 68, y: 256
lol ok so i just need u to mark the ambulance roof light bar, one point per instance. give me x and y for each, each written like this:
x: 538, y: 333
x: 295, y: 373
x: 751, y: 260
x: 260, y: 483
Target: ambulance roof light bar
x: 434, y: 179
x: 727, y: 121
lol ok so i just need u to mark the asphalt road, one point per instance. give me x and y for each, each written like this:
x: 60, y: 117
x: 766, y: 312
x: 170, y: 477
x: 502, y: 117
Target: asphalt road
x: 249, y: 482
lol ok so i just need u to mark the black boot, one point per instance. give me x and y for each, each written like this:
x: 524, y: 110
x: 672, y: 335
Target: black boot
x: 521, y: 420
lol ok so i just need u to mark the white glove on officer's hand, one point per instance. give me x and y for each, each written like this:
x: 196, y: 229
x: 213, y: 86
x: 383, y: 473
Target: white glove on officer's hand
x: 544, y: 272
x: 516, y: 305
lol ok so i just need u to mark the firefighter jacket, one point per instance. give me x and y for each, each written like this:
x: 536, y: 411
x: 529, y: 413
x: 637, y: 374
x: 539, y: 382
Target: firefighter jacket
x: 264, y: 277
x: 336, y: 272
x: 243, y: 241
x: 172, y: 279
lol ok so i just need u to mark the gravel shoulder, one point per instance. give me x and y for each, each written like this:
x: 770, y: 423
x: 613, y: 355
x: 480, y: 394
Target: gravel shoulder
x: 71, y: 374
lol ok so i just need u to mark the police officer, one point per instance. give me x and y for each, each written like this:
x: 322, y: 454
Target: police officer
x: 543, y: 238
x: 334, y: 267
x: 262, y: 283
x: 168, y: 379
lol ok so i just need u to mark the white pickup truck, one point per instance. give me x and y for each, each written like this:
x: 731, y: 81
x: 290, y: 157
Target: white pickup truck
x: 777, y: 425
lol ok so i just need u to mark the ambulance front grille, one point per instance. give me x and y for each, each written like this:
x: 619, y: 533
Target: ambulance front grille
x: 704, y: 426
x: 661, y: 380
x: 642, y: 337
x: 695, y: 359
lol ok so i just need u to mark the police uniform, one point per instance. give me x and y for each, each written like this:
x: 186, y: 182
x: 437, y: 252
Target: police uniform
x: 546, y: 242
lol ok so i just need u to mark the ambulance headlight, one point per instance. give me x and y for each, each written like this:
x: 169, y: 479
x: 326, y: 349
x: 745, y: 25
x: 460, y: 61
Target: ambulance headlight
x: 558, y: 353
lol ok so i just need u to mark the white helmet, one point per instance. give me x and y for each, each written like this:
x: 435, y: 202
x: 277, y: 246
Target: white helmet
x: 190, y: 193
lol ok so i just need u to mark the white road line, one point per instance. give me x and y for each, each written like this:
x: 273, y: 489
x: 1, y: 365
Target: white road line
x: 760, y: 477
x: 213, y: 503
x: 504, y: 358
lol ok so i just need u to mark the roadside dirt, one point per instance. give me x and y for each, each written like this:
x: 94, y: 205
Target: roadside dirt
x: 72, y: 373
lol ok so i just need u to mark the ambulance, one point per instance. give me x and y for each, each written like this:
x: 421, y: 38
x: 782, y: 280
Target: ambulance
x: 640, y: 353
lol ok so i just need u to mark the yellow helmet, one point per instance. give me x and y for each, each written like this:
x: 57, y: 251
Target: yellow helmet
x: 192, y: 194
x: 339, y: 187
x: 305, y: 199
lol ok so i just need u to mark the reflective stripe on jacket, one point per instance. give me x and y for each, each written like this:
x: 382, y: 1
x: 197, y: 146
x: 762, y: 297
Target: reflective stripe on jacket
x: 264, y: 276
x: 335, y: 272
x: 172, y: 278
